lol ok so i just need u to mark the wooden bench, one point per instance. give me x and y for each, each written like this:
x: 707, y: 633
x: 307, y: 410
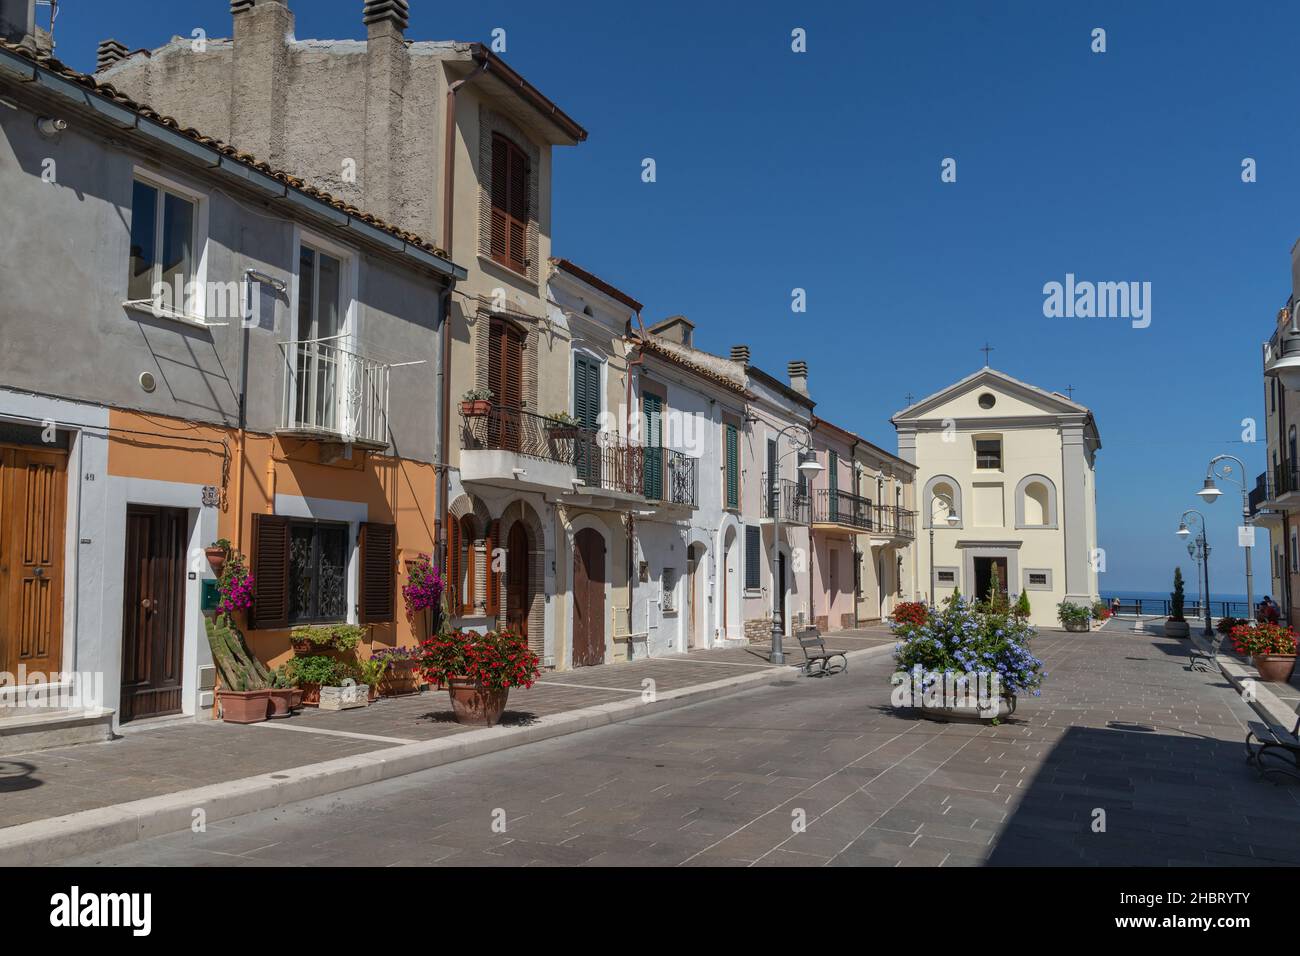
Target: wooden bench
x: 1276, y: 743
x: 814, y: 652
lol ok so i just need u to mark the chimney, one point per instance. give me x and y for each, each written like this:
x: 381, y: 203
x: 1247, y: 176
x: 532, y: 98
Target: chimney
x: 108, y: 53
x: 259, y: 66
x: 18, y: 22
x: 740, y: 353
x: 798, y: 372
x: 387, y: 68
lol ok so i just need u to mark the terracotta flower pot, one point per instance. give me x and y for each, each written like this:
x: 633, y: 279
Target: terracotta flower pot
x: 302, y: 648
x: 244, y: 706
x: 473, y: 703
x: 475, y: 409
x: 1274, y: 668
x: 295, y: 698
x: 282, y: 700
x: 217, y: 559
x: 310, y: 695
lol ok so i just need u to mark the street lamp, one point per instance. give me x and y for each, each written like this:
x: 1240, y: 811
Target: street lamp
x: 1210, y: 492
x: 954, y: 519
x: 811, y: 467
x: 1204, y: 547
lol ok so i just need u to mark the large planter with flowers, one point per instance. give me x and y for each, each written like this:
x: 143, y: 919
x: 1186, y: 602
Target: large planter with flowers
x: 478, y: 671
x: 402, y: 675
x: 961, y: 662
x: 1272, y: 649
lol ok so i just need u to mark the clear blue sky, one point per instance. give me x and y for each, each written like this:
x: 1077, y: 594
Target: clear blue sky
x: 821, y: 170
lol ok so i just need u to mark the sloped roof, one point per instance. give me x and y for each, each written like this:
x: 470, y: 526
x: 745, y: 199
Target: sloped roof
x: 721, y: 371
x: 1053, y: 400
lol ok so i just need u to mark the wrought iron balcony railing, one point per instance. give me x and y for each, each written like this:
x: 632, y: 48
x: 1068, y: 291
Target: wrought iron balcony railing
x: 842, y: 508
x: 600, y: 460
x: 1261, y: 494
x: 331, y: 392
x: 787, y: 500
x: 671, y: 477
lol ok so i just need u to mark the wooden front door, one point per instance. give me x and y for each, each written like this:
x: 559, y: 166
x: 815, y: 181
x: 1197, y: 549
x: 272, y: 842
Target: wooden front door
x: 153, y: 612
x: 33, y: 499
x: 780, y: 589
x: 517, y: 600
x: 692, y: 628
x: 588, y: 598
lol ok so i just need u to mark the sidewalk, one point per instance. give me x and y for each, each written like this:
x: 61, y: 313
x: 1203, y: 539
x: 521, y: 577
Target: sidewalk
x: 54, y: 803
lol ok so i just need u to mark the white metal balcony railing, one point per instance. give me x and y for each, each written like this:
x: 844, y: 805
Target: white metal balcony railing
x: 332, y: 392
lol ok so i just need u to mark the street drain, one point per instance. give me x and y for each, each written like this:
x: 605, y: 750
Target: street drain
x: 279, y: 776
x: 1136, y: 728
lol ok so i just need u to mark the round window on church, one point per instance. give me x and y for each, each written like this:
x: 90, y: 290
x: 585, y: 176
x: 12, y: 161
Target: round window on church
x: 987, y: 400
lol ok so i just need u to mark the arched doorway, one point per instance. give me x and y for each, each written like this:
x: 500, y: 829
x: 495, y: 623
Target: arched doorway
x: 588, y: 598
x: 518, y: 602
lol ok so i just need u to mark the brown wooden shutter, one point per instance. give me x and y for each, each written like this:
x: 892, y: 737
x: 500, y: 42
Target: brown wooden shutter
x: 510, y: 212
x: 500, y: 184
x: 492, y: 576
x: 378, y: 544
x: 518, y: 199
x: 270, y: 572
x: 452, y: 582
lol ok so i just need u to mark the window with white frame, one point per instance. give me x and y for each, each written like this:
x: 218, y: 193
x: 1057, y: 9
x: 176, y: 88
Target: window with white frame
x: 321, y: 321
x: 164, y: 244
x: 988, y: 454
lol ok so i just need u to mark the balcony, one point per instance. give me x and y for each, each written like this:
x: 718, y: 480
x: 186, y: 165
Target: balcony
x: 511, y: 448
x: 671, y: 479
x: 1286, y: 484
x: 1282, y: 357
x: 787, y: 500
x: 843, y: 510
x: 332, y: 394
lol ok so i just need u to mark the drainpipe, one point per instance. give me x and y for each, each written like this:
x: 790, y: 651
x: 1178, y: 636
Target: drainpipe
x: 631, y: 515
x: 857, y: 555
x: 448, y: 233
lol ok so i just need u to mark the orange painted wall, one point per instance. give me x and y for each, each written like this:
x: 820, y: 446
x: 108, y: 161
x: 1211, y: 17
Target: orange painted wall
x: 395, y: 490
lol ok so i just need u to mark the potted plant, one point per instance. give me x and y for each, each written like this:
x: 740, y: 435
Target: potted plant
x: 958, y: 645
x: 1073, y: 617
x: 216, y: 554
x: 478, y: 670
x: 476, y: 402
x: 370, y: 672
x: 561, y: 426
x: 1176, y: 625
x: 314, y: 638
x: 908, y: 615
x: 1021, y: 610
x: 283, y: 695
x: 1100, y: 611
x: 1271, y: 648
x: 401, y: 676
x: 235, y: 585
x: 311, y: 673
x: 244, y: 689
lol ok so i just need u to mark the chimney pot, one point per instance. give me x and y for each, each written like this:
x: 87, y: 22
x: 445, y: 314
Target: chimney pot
x: 108, y: 53
x: 397, y: 12
x: 798, y: 372
x: 241, y: 6
x: 740, y: 353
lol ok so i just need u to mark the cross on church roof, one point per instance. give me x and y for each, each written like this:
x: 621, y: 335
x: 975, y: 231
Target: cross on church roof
x: 986, y: 350
x: 909, y: 398
x: 1069, y: 391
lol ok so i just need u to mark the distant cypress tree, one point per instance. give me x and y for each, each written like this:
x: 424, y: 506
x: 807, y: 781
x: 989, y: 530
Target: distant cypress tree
x: 1176, y: 598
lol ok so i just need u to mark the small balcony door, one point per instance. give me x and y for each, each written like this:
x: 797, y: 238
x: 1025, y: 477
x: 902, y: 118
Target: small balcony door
x: 652, y: 409
x: 586, y: 409
x: 318, y: 394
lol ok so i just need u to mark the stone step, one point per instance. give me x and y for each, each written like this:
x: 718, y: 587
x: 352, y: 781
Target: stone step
x: 24, y: 729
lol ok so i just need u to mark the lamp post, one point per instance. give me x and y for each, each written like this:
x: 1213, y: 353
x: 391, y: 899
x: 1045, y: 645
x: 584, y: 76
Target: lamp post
x: 1203, y: 547
x: 954, y: 519
x: 809, y: 465
x: 1210, y: 492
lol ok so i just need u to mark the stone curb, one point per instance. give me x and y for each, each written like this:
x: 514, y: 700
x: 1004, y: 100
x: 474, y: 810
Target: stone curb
x: 1266, y: 703
x: 42, y: 842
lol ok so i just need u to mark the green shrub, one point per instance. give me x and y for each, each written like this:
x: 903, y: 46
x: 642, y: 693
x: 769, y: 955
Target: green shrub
x: 1068, y: 612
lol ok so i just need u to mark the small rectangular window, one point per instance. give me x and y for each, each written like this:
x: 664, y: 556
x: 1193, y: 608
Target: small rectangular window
x: 988, y: 453
x: 1038, y: 579
x: 669, y: 590
x: 947, y: 577
x: 162, y: 244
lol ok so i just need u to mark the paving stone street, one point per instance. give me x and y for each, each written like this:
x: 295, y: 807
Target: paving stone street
x: 1122, y: 727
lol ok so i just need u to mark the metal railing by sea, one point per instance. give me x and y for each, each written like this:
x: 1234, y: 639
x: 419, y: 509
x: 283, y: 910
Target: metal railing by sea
x: 1160, y: 607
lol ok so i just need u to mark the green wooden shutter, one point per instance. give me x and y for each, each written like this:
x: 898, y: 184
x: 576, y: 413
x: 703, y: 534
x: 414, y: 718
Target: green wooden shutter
x: 733, y: 467
x: 651, y: 412
x: 586, y: 392
x: 833, y: 461
x: 753, y: 545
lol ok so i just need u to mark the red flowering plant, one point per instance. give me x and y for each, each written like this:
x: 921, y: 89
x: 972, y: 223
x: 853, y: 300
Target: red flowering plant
x: 910, y: 614
x: 1255, y: 639
x: 496, y: 660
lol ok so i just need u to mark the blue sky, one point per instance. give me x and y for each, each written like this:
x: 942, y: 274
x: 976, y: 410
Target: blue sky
x: 821, y: 170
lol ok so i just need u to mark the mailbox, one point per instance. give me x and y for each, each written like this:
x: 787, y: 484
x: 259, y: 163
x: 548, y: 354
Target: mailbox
x: 211, y: 595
